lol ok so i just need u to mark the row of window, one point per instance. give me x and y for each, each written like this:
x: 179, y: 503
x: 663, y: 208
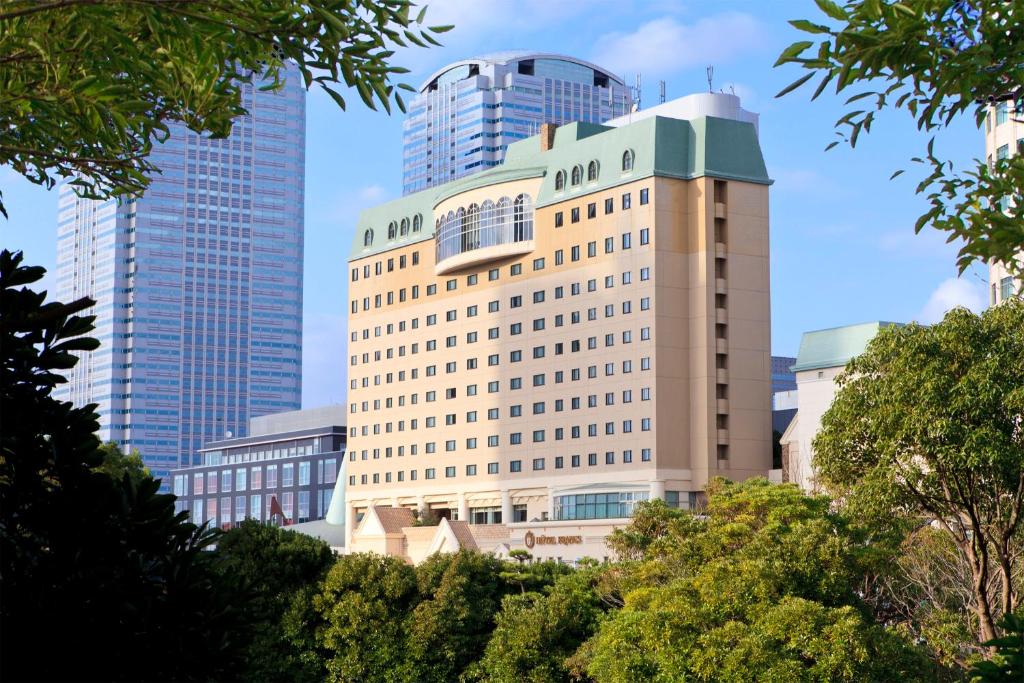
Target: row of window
x: 396, y: 229
x: 593, y: 171
x: 517, y: 216
x: 227, y: 509
x: 253, y: 478
x: 514, y: 466
x: 540, y: 263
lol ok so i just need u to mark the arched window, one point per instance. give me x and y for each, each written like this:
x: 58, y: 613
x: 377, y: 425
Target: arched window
x: 627, y: 160
x: 577, y: 175
x: 488, y: 224
x: 592, y: 170
x: 503, y: 219
x: 559, y: 181
x: 403, y: 230
x: 368, y: 238
x: 522, y: 218
x: 417, y: 223
x: 471, y: 229
x: 392, y: 229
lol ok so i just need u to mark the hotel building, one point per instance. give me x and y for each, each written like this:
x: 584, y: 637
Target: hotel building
x: 467, y: 114
x: 536, y: 348
x: 1004, y: 138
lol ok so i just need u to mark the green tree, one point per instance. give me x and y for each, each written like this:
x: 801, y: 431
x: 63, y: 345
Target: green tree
x: 537, y: 633
x: 938, y: 60
x: 355, y: 625
x: 102, y: 566
x: 759, y: 586
x: 116, y: 463
x: 461, y: 594
x: 927, y: 422
x: 1007, y: 666
x: 274, y: 565
x: 89, y: 85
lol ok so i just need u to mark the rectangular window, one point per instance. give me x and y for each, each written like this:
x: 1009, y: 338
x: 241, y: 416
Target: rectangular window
x: 515, y: 466
x: 626, y: 201
x: 643, y: 196
x: 492, y: 468
x: 558, y: 219
x: 492, y: 274
x: 609, y: 205
x: 538, y: 463
x: 575, y: 215
x: 592, y: 210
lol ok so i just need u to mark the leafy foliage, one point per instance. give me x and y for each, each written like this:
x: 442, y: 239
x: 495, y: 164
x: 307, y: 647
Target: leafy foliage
x: 117, y: 464
x: 758, y: 587
x: 90, y: 85
x: 276, y: 567
x: 1008, y: 664
x: 937, y: 60
x: 927, y: 422
x: 96, y: 564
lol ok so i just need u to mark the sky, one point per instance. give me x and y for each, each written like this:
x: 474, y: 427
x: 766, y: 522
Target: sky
x: 843, y: 248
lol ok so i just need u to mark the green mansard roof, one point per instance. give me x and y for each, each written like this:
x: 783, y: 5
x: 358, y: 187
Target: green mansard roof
x: 835, y: 347
x: 668, y: 147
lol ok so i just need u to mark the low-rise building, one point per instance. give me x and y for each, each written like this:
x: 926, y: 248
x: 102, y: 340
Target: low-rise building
x: 283, y: 473
x: 823, y: 356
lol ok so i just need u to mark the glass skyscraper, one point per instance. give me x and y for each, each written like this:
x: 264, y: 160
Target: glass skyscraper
x: 467, y: 113
x: 198, y: 286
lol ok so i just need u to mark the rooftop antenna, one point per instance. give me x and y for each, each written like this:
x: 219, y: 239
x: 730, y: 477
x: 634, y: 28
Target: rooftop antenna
x: 636, y: 102
x: 661, y: 92
x: 711, y: 75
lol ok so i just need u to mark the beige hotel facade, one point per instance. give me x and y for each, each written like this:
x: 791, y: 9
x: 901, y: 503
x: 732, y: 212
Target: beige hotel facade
x: 536, y: 348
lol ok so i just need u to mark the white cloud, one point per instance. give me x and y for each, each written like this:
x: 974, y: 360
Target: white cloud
x: 665, y: 45
x: 324, y: 371
x: 950, y: 294
x: 372, y: 193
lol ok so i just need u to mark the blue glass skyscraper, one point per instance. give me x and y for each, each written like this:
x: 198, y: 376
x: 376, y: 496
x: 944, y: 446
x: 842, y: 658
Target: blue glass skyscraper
x: 466, y: 114
x: 198, y: 286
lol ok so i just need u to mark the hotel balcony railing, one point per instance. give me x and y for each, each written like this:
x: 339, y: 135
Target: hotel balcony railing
x: 484, y: 233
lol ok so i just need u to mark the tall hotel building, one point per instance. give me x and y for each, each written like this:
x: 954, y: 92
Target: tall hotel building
x: 466, y: 115
x: 198, y: 286
x: 538, y: 347
x: 1004, y: 137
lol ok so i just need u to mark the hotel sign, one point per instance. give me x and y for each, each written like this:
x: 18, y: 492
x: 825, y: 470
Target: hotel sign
x: 531, y: 539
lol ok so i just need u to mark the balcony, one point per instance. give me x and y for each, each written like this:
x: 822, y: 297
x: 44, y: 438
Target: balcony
x: 481, y: 233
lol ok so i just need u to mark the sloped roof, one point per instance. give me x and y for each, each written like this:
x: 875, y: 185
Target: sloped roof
x: 835, y: 347
x: 667, y: 147
x: 393, y: 519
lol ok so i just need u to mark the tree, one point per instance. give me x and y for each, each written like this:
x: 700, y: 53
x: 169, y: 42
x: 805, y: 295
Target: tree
x: 90, y: 85
x: 938, y: 60
x: 759, y: 586
x: 461, y: 594
x: 537, y: 633
x: 1008, y: 664
x: 116, y: 464
x: 928, y: 422
x: 275, y: 566
x: 102, y: 566
x: 355, y: 624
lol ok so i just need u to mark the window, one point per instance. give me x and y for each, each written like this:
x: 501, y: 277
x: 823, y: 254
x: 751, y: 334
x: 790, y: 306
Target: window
x: 574, y: 214
x: 593, y: 169
x: 538, y: 264
x: 515, y: 466
x: 304, y: 473
x: 417, y: 223
x: 368, y: 238
x: 627, y: 161
x: 627, y: 240
x: 592, y: 210
x: 643, y: 196
x: 626, y: 201
x: 403, y: 231
x: 559, y: 257
x: 492, y: 274
x: 559, y: 219
x: 516, y: 269
x: 538, y: 463
x: 1002, y: 115
x: 559, y: 181
x: 577, y: 175
x: 645, y: 236
x: 609, y: 205
x: 470, y: 470
x: 392, y: 230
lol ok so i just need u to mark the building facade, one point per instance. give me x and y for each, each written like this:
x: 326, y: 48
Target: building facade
x: 467, y: 114
x: 197, y: 283
x: 1004, y: 138
x: 545, y: 344
x: 283, y: 473
x: 823, y: 356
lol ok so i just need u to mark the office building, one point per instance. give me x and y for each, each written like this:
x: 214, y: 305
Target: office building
x: 822, y: 357
x: 197, y: 283
x: 539, y: 347
x: 467, y: 114
x: 783, y: 377
x: 1004, y: 138
x: 283, y: 473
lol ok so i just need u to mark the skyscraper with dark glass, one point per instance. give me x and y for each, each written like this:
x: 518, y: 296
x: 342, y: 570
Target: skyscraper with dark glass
x: 198, y: 286
x: 467, y: 113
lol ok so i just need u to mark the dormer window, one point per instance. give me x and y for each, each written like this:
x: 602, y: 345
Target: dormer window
x: 577, y: 175
x: 592, y: 170
x: 417, y: 223
x: 368, y: 238
x: 559, y: 181
x: 627, y: 161
x: 403, y: 230
x: 392, y: 230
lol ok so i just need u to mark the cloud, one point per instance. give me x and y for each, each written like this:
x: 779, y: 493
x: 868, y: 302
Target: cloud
x: 324, y: 366
x: 666, y: 45
x: 950, y: 294
x: 372, y: 193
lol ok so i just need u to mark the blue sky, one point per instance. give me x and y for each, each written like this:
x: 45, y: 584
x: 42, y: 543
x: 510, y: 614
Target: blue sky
x: 843, y: 247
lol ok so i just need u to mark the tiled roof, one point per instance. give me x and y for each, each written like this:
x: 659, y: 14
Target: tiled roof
x: 393, y: 519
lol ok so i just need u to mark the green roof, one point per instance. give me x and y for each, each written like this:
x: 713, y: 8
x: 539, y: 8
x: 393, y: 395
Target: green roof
x: 674, y: 148
x: 836, y: 346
